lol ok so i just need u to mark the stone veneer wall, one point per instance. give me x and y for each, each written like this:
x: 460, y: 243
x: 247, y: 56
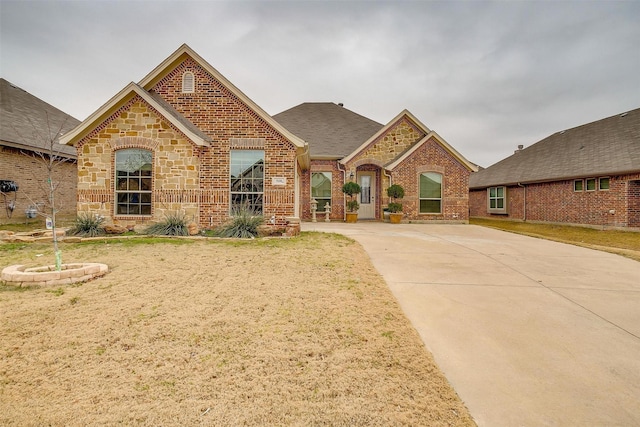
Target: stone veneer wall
x: 433, y: 157
x: 31, y: 176
x: 231, y: 124
x: 175, y: 164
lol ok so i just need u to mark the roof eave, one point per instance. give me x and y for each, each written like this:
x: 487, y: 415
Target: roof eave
x: 128, y: 92
x: 554, y: 179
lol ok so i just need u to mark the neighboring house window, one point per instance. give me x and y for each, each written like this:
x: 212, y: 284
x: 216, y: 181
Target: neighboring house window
x: 134, y: 172
x: 321, y: 189
x: 188, y: 82
x: 430, y: 192
x: 604, y: 183
x: 578, y: 185
x: 247, y: 179
x: 591, y: 184
x: 497, y: 199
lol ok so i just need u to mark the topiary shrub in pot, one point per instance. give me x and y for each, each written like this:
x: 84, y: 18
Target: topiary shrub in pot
x: 395, y: 192
x: 351, y: 189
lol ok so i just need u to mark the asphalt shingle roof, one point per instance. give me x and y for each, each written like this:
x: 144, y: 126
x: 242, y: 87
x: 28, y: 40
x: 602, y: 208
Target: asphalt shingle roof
x: 604, y: 147
x: 330, y: 130
x: 29, y: 123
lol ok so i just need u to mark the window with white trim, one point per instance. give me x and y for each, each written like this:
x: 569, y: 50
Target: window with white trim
x: 134, y: 171
x: 603, y: 184
x: 247, y: 179
x: 321, y: 189
x: 188, y: 82
x: 578, y: 185
x: 497, y: 200
x: 430, y: 193
x: 591, y: 184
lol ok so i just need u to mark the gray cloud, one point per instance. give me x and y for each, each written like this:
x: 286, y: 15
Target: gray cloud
x: 487, y: 76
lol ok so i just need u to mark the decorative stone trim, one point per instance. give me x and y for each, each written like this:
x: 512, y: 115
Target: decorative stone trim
x: 247, y: 143
x: 19, y: 275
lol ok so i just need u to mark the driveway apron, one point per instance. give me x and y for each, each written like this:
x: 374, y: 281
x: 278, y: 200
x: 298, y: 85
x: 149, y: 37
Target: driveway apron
x: 529, y: 332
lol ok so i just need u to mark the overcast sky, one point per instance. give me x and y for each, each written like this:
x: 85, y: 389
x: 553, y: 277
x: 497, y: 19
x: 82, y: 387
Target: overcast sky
x: 487, y: 76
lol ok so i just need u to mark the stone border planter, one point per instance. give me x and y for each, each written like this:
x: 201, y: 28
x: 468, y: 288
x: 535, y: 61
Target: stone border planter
x: 19, y: 275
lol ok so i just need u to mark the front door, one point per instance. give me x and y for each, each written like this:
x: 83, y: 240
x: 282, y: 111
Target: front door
x: 367, y: 181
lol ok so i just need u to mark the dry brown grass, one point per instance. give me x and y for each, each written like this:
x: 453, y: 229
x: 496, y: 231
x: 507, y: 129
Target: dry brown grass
x: 296, y: 332
x: 626, y: 243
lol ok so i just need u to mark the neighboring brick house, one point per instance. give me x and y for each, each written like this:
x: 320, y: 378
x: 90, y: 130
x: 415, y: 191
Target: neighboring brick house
x: 346, y: 146
x: 588, y: 175
x: 28, y: 125
x: 184, y: 139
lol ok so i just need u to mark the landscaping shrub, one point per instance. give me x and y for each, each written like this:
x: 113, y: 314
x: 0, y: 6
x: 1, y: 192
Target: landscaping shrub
x: 174, y: 224
x: 87, y: 225
x: 244, y: 224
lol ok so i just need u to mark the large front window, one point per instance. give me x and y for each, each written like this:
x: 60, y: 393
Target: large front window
x: 247, y: 179
x: 321, y: 189
x: 430, y: 192
x: 133, y: 181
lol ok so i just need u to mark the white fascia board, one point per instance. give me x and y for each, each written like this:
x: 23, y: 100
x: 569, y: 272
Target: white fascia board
x: 124, y: 95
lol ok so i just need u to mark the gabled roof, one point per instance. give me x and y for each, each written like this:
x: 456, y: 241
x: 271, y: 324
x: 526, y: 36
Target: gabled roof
x: 406, y: 114
x: 28, y: 123
x: 185, y: 51
x: 403, y: 114
x: 130, y: 91
x: 606, y: 147
x: 331, y: 130
x: 471, y: 166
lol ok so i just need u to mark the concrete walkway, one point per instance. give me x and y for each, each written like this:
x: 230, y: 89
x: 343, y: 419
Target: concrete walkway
x: 529, y: 332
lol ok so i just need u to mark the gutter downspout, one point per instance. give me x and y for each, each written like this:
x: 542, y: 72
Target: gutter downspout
x: 344, y: 199
x: 524, y: 202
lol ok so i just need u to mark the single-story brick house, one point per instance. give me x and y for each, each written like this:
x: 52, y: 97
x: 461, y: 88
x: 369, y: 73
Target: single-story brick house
x: 185, y: 139
x: 587, y: 175
x: 28, y: 125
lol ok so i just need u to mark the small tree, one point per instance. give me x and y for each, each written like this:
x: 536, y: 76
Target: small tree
x: 395, y: 192
x: 351, y: 189
x: 50, y: 157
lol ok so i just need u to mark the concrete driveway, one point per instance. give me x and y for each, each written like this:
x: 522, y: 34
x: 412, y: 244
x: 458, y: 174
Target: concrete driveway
x: 529, y: 332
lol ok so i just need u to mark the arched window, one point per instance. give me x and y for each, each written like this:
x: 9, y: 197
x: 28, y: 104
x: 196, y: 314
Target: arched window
x: 134, y: 172
x: 188, y: 82
x: 430, y: 192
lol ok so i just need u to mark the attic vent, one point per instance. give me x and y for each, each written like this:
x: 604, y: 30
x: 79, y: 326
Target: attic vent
x: 340, y: 104
x: 623, y: 114
x: 188, y: 82
x: 562, y: 131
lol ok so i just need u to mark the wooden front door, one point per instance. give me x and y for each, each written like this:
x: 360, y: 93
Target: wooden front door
x: 367, y: 181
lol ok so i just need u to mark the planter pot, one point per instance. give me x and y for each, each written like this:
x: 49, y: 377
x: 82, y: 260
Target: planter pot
x: 395, y: 218
x: 352, y: 217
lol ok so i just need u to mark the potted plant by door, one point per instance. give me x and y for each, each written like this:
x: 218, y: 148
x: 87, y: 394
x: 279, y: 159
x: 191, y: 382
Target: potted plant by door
x: 395, y: 192
x: 351, y: 189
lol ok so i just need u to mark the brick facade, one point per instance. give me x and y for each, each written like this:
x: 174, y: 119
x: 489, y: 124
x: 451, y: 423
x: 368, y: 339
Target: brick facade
x: 190, y: 179
x: 31, y: 176
x: 557, y: 202
x: 431, y: 156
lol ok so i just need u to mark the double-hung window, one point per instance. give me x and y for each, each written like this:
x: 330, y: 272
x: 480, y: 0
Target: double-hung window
x: 247, y: 179
x: 497, y: 199
x: 321, y: 189
x: 134, y: 171
x: 430, y: 193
